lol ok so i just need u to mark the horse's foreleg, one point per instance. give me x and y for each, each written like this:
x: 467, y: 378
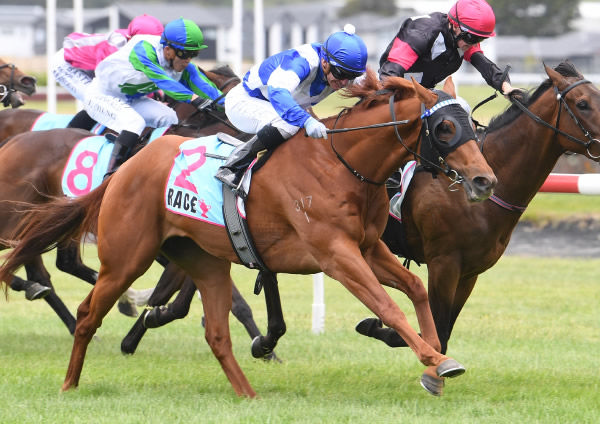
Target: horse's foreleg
x: 463, y: 291
x: 262, y: 346
x: 241, y: 310
x: 349, y: 267
x: 391, y: 273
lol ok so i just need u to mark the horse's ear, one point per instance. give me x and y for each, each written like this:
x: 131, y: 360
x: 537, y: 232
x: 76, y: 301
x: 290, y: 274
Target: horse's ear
x: 427, y: 96
x: 557, y: 79
x: 449, y: 87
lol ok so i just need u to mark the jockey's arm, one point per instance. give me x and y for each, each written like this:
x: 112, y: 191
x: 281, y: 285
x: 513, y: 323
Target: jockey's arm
x: 488, y: 70
x: 200, y: 84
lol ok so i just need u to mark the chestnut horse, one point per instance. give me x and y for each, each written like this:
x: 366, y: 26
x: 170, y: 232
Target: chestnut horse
x: 13, y: 81
x: 337, y: 230
x: 457, y: 240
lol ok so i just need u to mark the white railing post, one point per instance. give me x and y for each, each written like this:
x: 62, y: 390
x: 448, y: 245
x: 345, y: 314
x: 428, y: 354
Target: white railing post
x: 318, y: 307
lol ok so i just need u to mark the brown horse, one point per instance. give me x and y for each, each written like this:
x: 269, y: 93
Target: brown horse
x: 304, y: 200
x: 13, y: 81
x: 457, y: 240
x: 33, y: 177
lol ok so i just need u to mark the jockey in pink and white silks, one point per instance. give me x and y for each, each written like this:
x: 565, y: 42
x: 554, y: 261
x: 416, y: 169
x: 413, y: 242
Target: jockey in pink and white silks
x: 73, y: 66
x: 272, y: 100
x: 117, y: 96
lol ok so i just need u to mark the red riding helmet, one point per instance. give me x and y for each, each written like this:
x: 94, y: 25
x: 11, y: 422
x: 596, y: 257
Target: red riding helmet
x: 474, y: 16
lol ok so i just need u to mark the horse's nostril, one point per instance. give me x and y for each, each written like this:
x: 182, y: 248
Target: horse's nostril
x: 483, y: 183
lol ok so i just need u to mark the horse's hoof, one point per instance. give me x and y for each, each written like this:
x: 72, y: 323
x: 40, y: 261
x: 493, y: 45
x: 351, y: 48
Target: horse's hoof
x: 450, y: 368
x: 128, y: 309
x: 36, y: 291
x: 257, y: 349
x: 367, y: 325
x: 433, y: 385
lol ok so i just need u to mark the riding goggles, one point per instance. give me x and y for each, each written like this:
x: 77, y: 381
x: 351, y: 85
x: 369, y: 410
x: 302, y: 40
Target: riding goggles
x: 470, y: 38
x: 340, y: 73
x: 186, y: 54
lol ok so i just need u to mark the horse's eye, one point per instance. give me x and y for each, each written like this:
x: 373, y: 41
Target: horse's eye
x: 583, y: 105
x: 444, y: 130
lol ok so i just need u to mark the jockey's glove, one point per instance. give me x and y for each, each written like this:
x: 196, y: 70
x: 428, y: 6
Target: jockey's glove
x: 201, y: 104
x: 315, y: 128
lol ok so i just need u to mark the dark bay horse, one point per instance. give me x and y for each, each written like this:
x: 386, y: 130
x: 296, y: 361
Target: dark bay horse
x: 457, y: 240
x: 337, y: 230
x: 12, y: 83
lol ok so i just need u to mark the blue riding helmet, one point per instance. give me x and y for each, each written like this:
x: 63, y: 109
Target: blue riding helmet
x: 346, y: 53
x: 183, y: 34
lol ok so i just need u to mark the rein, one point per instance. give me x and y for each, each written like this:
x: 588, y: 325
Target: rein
x: 208, y: 107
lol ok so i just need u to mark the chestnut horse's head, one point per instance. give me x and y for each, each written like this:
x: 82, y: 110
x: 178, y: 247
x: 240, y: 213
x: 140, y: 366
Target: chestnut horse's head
x: 447, y: 140
x: 13, y: 81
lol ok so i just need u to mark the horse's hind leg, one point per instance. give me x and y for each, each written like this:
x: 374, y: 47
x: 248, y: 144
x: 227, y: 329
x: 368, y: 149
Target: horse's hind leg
x: 212, y: 277
x: 216, y: 299
x: 36, y: 271
x: 117, y: 272
x: 170, y: 281
x: 179, y: 308
x: 68, y: 259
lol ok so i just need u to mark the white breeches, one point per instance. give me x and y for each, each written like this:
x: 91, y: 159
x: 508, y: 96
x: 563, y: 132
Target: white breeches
x: 250, y: 114
x: 119, y: 113
x: 73, y: 79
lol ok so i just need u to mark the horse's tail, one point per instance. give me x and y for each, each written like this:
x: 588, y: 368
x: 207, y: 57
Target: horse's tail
x: 45, y: 225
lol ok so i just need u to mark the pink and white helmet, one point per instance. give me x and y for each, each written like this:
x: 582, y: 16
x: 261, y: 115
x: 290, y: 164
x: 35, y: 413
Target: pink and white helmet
x: 145, y: 24
x: 474, y: 16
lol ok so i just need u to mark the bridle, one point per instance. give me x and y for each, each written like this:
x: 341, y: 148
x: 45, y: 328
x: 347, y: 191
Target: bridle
x: 426, y: 115
x: 560, y: 97
x: 6, y: 92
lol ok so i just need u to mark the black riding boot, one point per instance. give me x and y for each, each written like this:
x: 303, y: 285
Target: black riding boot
x: 232, y: 171
x: 82, y: 120
x: 124, y: 145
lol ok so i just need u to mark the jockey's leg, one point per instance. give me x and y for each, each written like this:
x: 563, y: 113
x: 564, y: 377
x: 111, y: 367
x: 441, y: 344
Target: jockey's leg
x: 232, y: 171
x: 82, y: 120
x: 122, y: 149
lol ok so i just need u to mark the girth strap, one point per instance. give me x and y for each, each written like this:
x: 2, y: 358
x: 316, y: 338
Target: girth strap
x: 239, y: 235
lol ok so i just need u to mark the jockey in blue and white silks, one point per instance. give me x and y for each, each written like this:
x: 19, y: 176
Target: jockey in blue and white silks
x: 273, y: 99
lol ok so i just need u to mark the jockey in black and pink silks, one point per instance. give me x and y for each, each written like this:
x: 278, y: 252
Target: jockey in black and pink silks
x: 432, y: 47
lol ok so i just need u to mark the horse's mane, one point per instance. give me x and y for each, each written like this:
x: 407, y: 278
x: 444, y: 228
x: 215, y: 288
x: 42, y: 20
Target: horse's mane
x: 370, y: 90
x: 224, y: 70
x: 566, y: 69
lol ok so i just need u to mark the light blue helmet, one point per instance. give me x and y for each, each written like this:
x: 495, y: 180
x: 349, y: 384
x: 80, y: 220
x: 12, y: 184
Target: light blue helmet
x: 346, y: 52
